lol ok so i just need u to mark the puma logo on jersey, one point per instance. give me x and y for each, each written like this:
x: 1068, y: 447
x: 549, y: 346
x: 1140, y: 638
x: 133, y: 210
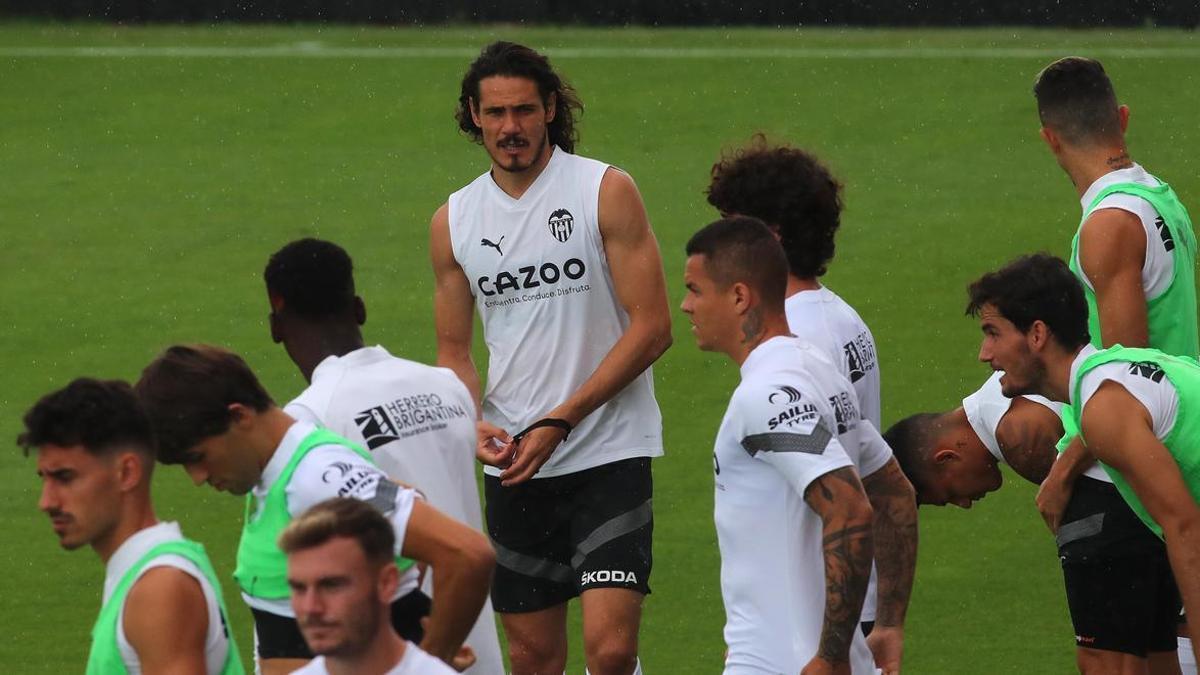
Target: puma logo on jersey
x: 530, y: 277
x: 488, y: 242
x: 607, y: 576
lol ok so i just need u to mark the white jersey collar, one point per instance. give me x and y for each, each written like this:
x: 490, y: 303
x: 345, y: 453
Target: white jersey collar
x: 132, y: 549
x: 762, y: 355
x: 1087, y: 351
x: 1134, y: 174
x: 359, y: 357
x: 280, y: 458
x: 538, y: 183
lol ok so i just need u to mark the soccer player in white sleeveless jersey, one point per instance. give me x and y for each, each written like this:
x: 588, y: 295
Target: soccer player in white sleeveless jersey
x: 163, y: 609
x: 417, y: 421
x: 799, y: 199
x: 1135, y: 253
x: 556, y: 254
x: 793, y: 522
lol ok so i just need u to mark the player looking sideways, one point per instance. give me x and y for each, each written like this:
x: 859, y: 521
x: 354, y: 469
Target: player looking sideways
x: 213, y: 416
x: 1133, y: 409
x: 800, y: 201
x: 342, y: 574
x: 1134, y: 251
x: 952, y: 457
x: 793, y: 523
x: 163, y: 610
x: 556, y: 254
x: 417, y: 421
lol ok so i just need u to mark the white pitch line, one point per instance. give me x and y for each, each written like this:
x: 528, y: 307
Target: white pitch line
x: 318, y: 51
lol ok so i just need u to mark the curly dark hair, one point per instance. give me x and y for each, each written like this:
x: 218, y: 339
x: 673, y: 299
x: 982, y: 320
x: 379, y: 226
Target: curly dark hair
x: 514, y: 60
x: 1037, y: 287
x: 790, y: 190
x: 311, y: 278
x: 99, y: 415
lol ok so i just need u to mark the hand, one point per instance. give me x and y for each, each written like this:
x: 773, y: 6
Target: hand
x: 531, y: 453
x: 887, y: 646
x: 493, y: 445
x: 1052, y: 498
x: 819, y: 666
x: 465, y: 656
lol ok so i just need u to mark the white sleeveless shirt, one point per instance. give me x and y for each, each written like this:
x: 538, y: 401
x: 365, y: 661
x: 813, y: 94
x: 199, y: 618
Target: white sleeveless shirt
x: 545, y: 295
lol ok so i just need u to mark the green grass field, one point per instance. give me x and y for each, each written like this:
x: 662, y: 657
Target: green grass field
x: 145, y: 183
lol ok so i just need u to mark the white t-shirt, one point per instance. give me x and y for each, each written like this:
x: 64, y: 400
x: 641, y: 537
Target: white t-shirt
x: 414, y: 662
x: 418, y: 422
x: 550, y: 314
x: 821, y: 317
x: 1145, y: 382
x: 1158, y: 268
x: 792, y: 419
x: 986, y: 407
x: 329, y: 471
x: 216, y: 641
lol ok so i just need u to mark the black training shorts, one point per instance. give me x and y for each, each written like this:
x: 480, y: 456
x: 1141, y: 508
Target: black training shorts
x: 557, y: 537
x: 279, y: 637
x: 1120, y: 589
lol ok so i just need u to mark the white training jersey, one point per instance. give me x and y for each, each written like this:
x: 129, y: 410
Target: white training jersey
x: 821, y: 317
x: 414, y: 662
x: 216, y: 639
x: 1158, y: 269
x: 418, y: 422
x: 1145, y: 382
x: 792, y: 419
x: 545, y: 295
x: 329, y: 471
x: 986, y: 407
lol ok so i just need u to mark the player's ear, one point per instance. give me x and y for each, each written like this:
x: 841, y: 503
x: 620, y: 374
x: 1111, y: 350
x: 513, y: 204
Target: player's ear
x: 1051, y: 139
x: 945, y: 456
x: 360, y: 311
x: 240, y: 416
x: 1123, y: 116
x: 551, y: 107
x: 389, y: 581
x: 473, y: 106
x: 1038, y: 335
x: 129, y: 470
x: 741, y: 296
x: 273, y: 321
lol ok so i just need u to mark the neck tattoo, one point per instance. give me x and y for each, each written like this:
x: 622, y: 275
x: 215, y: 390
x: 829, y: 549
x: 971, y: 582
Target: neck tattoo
x: 1121, y: 161
x: 752, y: 326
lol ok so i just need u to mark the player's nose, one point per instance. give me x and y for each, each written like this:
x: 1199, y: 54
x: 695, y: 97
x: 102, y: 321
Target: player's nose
x: 48, y: 499
x: 197, y: 473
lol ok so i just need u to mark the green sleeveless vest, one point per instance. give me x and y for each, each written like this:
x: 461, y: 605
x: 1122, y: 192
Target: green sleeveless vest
x: 1171, y: 317
x: 1184, y: 374
x: 261, y: 565
x: 105, y: 655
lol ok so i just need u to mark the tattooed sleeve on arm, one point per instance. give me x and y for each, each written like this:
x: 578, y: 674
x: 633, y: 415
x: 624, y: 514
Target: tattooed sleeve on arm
x: 895, y: 530
x: 838, y: 499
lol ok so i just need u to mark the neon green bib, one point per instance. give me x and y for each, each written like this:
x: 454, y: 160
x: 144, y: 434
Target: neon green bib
x: 1172, y: 316
x: 1184, y: 374
x: 105, y: 655
x: 261, y: 565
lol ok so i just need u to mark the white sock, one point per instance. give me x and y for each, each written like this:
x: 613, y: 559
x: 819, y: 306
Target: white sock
x: 637, y: 669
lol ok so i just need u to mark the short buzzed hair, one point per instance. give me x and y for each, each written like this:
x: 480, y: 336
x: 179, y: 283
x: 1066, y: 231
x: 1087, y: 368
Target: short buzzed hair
x: 99, y: 415
x: 311, y: 278
x: 912, y: 441
x: 743, y: 249
x: 342, y: 517
x: 1075, y: 98
x: 187, y: 391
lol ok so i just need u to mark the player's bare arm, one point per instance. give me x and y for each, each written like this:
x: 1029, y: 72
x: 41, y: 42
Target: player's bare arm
x: 845, y: 512
x: 1112, y: 251
x: 894, y: 504
x: 453, y: 311
x: 462, y: 562
x: 1055, y: 491
x: 637, y: 274
x: 1119, y: 432
x: 166, y: 622
x: 1027, y: 435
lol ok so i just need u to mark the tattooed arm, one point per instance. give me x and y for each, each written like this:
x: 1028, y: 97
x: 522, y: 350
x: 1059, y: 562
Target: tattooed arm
x: 894, y: 503
x: 837, y: 497
x: 1027, y: 435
